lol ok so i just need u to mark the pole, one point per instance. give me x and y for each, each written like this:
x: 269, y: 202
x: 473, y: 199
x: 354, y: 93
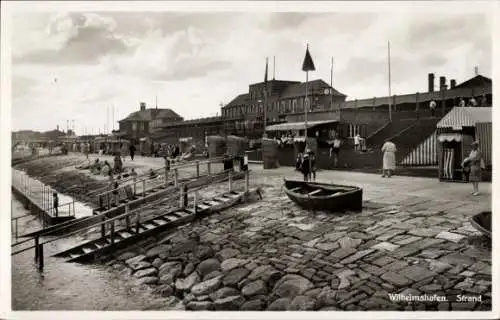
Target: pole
x: 265, y: 102
x: 389, y: 64
x: 274, y: 67
x: 331, y: 85
x: 306, y: 107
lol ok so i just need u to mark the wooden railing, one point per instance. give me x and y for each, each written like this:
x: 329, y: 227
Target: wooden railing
x: 110, y: 224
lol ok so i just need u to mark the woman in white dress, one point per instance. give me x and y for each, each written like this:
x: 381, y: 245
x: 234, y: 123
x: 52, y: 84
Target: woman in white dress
x: 389, y: 160
x: 476, y: 163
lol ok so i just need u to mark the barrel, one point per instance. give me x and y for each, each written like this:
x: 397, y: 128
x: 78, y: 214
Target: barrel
x: 236, y: 146
x: 216, y: 146
x: 270, y: 153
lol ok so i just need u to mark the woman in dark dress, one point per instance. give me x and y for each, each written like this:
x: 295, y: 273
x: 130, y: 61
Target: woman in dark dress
x: 306, y: 167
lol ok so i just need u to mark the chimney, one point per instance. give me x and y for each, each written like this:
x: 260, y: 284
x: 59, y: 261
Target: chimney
x: 143, y: 106
x: 453, y: 83
x: 431, y: 82
x: 57, y: 127
x: 442, y: 83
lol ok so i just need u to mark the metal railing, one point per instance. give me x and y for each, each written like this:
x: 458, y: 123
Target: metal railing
x: 41, y: 195
x: 107, y: 226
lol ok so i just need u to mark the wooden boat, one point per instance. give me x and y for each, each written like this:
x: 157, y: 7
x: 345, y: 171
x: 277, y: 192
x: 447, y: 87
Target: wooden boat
x: 482, y: 222
x: 323, y: 196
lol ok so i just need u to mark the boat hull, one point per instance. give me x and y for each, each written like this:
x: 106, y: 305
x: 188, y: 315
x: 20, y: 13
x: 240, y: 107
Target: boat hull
x: 482, y: 222
x: 332, y: 198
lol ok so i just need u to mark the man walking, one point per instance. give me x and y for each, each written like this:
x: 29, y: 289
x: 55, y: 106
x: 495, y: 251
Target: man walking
x: 132, y: 151
x: 335, y: 150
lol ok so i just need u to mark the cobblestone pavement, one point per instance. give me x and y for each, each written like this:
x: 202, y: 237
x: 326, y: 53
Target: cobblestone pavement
x: 412, y: 237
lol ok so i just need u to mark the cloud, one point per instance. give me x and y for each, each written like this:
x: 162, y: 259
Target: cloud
x: 77, y: 38
x: 192, y: 61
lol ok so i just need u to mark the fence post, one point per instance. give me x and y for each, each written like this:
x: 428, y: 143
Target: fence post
x: 247, y: 181
x: 176, y: 177
x: 195, y: 206
x: 103, y: 227
x: 197, y: 168
x: 127, y: 218
x: 112, y: 230
x: 40, y: 257
x: 137, y: 221
x: 181, y: 200
x: 230, y: 182
x: 37, y: 241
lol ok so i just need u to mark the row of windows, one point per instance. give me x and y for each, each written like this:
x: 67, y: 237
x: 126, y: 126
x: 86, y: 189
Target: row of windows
x: 138, y: 126
x: 284, y: 106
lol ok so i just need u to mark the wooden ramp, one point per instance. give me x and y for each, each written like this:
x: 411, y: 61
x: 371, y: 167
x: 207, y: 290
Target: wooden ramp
x: 134, y: 232
x: 132, y: 202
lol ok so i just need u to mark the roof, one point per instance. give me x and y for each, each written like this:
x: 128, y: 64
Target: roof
x: 297, y: 125
x: 240, y: 99
x: 151, y: 114
x: 460, y: 117
x: 193, y: 122
x: 477, y: 81
x: 299, y: 89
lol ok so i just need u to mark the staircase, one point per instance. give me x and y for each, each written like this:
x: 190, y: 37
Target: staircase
x: 138, y: 230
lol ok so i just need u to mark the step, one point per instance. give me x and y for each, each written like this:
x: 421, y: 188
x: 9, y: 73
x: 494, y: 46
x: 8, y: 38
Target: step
x: 149, y: 226
x: 125, y: 234
x: 202, y: 206
x: 87, y: 250
x: 160, y: 222
x: 74, y: 255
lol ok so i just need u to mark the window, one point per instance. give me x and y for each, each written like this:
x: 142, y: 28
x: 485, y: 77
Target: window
x: 134, y: 126
x: 294, y: 105
x: 354, y: 129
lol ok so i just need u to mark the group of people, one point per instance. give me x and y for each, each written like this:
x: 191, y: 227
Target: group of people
x: 471, y: 102
x: 306, y: 163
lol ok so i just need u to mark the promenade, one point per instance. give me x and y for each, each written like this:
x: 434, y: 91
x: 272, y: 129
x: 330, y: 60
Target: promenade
x: 412, y: 238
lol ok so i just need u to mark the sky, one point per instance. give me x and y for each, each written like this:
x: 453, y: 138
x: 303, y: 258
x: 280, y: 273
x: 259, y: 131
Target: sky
x: 76, y: 65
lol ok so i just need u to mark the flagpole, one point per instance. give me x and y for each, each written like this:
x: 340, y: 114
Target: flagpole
x: 389, y: 63
x: 331, y: 85
x: 306, y: 106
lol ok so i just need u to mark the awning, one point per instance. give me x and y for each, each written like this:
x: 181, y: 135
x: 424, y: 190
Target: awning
x: 297, y: 125
x: 449, y: 137
x: 460, y: 117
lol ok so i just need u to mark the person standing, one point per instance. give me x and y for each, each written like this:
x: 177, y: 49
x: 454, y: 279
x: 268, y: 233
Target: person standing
x: 335, y: 150
x: 306, y: 167
x: 55, y: 201
x: 389, y: 159
x: 461, y: 103
x: 357, y: 140
x: 132, y: 151
x: 484, y: 101
x: 476, y: 163
x: 432, y: 107
x: 312, y: 159
x: 472, y: 102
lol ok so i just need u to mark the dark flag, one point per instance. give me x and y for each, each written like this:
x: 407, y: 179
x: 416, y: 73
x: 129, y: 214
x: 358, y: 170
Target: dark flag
x: 308, y: 64
x: 265, y: 75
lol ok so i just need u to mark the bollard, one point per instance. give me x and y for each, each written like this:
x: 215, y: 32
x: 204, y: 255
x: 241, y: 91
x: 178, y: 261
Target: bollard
x: 230, y: 181
x: 176, y: 177
x: 40, y: 257
x: 197, y: 168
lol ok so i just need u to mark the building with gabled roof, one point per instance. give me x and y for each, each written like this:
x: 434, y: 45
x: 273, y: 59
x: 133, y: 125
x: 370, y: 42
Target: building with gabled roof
x: 141, y: 123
